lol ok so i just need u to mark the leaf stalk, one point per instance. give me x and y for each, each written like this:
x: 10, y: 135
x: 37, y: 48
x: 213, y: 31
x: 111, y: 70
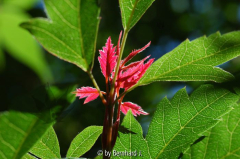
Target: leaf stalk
x: 96, y: 86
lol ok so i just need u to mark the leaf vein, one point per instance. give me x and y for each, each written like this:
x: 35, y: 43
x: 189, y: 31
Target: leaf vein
x: 189, y: 122
x: 61, y: 17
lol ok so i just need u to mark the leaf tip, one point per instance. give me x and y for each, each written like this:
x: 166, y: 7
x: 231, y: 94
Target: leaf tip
x: 24, y: 25
x: 218, y: 33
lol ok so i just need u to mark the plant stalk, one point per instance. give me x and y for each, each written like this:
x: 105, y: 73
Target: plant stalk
x: 110, y: 129
x: 112, y: 91
x: 107, y: 137
x: 96, y: 86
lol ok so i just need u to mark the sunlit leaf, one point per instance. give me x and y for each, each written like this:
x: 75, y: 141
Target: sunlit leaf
x: 84, y: 141
x: 132, y: 11
x: 23, y: 4
x: 18, y: 133
x: 87, y: 92
x: 47, y: 146
x: 136, y: 109
x: 131, y: 141
x: 28, y: 156
x: 20, y: 44
x: 98, y: 157
x: 107, y: 58
x: 134, y: 53
x: 70, y: 32
x: 196, y: 60
x: 222, y: 141
x: 27, y: 120
x: 176, y: 124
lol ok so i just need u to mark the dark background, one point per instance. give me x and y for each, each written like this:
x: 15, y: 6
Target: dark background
x: 166, y: 24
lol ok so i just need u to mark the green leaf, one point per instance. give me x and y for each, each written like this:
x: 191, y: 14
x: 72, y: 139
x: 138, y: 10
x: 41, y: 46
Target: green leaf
x: 176, y: 124
x: 28, y: 156
x: 57, y: 93
x: 24, y: 4
x: 99, y: 157
x: 233, y: 84
x: 195, y: 60
x: 20, y: 44
x: 70, y: 33
x: 19, y: 132
x: 132, y: 11
x: 131, y: 141
x: 48, y: 146
x: 84, y: 141
x: 222, y: 141
x: 30, y: 116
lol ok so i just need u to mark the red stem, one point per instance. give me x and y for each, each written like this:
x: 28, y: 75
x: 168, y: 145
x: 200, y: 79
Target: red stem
x: 107, y: 137
x: 110, y: 130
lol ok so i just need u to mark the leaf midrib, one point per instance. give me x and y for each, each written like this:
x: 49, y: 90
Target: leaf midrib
x: 205, y: 151
x: 131, y: 16
x: 80, y: 34
x: 73, y: 27
x: 83, y: 142
x: 65, y: 21
x: 71, y: 5
x: 25, y: 137
x: 54, y: 37
x: 49, y: 149
x: 2, y: 154
x: 231, y: 152
x: 178, y: 67
x: 162, y: 150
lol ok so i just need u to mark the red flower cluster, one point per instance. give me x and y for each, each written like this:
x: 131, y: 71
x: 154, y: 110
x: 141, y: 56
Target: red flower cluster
x: 127, y: 75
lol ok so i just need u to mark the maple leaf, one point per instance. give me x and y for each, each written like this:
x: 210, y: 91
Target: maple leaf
x: 89, y: 92
x: 107, y: 58
x: 136, y: 109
